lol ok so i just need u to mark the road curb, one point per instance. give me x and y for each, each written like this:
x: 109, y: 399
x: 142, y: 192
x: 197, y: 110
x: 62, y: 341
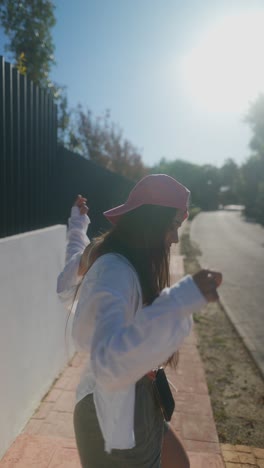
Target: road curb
x: 226, y: 309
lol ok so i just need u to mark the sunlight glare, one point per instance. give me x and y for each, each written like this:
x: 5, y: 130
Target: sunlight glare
x: 225, y: 71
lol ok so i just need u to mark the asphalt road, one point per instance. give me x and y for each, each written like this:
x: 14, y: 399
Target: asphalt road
x: 236, y: 248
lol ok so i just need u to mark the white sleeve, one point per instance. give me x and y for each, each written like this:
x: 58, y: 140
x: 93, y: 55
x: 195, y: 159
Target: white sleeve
x: 77, y: 241
x: 122, y: 352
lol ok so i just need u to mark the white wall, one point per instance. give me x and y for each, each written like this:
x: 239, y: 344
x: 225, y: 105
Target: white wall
x: 32, y: 345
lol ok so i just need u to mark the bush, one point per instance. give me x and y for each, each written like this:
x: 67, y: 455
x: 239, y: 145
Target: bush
x: 193, y: 211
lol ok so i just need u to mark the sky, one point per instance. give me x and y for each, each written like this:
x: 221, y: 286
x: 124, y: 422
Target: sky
x: 177, y: 75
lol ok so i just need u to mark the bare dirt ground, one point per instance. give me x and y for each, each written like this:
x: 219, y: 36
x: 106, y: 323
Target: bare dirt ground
x: 235, y: 384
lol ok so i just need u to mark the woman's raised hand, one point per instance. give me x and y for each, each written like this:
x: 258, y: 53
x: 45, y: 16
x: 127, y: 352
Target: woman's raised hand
x: 207, y: 281
x: 81, y: 203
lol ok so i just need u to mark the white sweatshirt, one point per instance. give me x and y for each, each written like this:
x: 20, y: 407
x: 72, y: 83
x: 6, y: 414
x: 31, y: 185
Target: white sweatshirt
x: 123, y: 339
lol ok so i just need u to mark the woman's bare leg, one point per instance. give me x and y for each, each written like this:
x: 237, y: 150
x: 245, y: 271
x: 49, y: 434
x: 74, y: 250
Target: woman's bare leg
x: 173, y: 454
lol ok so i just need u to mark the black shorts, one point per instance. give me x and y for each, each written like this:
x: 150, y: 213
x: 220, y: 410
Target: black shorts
x: 148, y: 425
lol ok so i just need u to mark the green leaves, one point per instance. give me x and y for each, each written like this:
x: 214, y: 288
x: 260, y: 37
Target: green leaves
x: 27, y: 24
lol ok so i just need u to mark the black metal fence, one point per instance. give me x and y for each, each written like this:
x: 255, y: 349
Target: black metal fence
x: 38, y: 179
x: 102, y: 188
x: 28, y: 144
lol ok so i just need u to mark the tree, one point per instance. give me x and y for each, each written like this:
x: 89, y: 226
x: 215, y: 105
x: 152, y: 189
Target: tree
x: 253, y: 170
x: 27, y: 24
x: 255, y: 118
x: 99, y: 139
x: 230, y: 181
x: 252, y: 173
x: 228, y: 172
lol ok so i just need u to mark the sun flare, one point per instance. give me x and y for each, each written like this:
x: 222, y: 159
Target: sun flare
x: 225, y: 70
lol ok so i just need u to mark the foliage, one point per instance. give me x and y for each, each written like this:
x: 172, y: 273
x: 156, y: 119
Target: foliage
x: 212, y: 187
x: 27, y: 24
x: 100, y: 140
x: 252, y: 175
x: 255, y: 118
x: 252, y: 172
x: 193, y: 211
x: 64, y: 115
x: 21, y: 64
x: 230, y: 183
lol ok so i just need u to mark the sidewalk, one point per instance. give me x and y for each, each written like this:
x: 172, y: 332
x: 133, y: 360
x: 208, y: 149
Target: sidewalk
x: 48, y: 439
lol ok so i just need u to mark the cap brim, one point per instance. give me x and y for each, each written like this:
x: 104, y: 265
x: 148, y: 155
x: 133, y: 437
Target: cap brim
x: 114, y: 214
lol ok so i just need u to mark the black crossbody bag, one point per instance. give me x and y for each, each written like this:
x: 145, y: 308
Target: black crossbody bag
x: 163, y: 395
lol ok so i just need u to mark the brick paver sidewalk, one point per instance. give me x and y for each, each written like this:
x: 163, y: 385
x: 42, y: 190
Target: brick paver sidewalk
x: 48, y: 439
x: 241, y: 456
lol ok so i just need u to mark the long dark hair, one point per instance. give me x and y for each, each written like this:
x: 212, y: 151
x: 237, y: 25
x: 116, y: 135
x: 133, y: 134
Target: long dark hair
x: 139, y: 236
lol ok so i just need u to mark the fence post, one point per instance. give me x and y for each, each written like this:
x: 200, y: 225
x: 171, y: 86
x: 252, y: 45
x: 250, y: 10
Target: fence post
x: 3, y: 210
x: 17, y: 150
x: 9, y: 130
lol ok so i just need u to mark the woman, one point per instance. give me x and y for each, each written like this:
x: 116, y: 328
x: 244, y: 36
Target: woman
x: 129, y: 321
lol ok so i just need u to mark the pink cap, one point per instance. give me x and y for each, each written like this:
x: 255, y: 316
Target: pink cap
x: 154, y: 189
